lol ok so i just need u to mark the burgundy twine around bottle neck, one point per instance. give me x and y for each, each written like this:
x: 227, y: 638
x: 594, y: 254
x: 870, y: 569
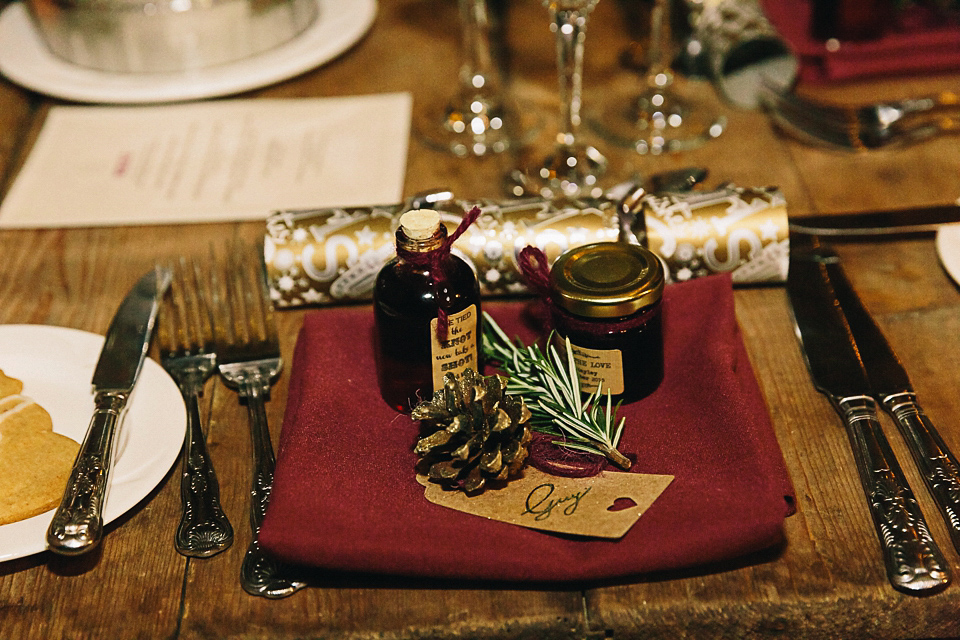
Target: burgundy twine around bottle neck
x: 434, y: 261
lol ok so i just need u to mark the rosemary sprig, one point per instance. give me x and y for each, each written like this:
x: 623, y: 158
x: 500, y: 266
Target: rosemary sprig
x: 549, y: 385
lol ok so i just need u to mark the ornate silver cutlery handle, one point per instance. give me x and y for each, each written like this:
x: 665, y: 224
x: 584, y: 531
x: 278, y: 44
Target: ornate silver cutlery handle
x: 913, y: 561
x: 260, y: 575
x: 936, y: 462
x: 77, y: 526
x: 204, y: 529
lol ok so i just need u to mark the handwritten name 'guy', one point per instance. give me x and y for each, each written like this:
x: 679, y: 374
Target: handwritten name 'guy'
x: 540, y: 504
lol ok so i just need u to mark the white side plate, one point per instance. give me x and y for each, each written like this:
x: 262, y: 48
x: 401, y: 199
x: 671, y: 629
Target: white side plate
x: 26, y: 60
x: 55, y: 365
x: 948, y: 248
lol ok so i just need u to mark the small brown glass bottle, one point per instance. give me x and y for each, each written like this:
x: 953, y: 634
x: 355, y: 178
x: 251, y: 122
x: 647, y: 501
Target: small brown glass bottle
x: 410, y: 292
x: 607, y: 300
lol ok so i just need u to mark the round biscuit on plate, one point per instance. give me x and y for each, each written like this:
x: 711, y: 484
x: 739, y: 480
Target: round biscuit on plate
x: 9, y: 386
x: 35, y: 462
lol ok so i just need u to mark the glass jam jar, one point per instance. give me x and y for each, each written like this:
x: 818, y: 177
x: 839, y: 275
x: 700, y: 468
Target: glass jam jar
x: 607, y: 300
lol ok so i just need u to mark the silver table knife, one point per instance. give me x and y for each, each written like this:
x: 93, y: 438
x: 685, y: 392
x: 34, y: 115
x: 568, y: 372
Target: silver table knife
x: 914, y: 564
x: 878, y: 223
x: 893, y: 390
x: 77, y: 526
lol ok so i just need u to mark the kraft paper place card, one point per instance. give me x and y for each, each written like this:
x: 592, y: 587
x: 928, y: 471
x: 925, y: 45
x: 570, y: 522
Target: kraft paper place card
x: 606, y: 505
x: 210, y: 161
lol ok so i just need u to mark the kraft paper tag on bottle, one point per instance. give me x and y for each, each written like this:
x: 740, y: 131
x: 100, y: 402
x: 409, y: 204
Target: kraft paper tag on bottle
x: 602, y: 506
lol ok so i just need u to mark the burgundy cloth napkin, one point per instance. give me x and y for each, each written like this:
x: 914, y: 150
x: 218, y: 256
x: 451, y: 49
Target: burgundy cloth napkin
x: 345, y: 496
x: 921, y: 49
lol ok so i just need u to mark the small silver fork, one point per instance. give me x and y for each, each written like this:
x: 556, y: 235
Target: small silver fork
x: 185, y: 336
x: 249, y: 361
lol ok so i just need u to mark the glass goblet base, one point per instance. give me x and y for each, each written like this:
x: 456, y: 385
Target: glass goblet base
x: 473, y: 126
x: 570, y: 171
x: 657, y: 121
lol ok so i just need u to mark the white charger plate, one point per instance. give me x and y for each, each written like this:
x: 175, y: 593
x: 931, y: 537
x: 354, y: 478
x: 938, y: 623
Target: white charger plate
x: 948, y: 248
x: 55, y: 365
x: 26, y: 60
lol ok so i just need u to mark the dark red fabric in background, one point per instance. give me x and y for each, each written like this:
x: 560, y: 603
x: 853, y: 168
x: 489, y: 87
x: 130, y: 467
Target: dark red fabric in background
x: 345, y: 496
x: 897, y: 52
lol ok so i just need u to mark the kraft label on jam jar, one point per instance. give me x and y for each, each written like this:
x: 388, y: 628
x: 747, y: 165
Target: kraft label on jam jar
x: 599, y: 369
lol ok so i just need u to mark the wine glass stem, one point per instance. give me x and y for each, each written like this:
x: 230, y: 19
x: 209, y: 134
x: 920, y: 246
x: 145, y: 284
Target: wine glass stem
x: 478, y: 72
x: 660, y: 49
x: 570, y: 26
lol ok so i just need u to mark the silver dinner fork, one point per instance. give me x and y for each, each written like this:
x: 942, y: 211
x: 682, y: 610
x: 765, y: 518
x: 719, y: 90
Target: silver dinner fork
x: 873, y: 126
x: 249, y: 362
x: 185, y: 337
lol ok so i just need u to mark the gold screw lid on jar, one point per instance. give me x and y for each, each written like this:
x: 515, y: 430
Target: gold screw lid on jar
x: 607, y: 279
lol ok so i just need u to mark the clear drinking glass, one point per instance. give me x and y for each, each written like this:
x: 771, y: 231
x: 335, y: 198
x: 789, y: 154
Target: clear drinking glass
x: 573, y: 168
x: 659, y: 119
x: 479, y: 119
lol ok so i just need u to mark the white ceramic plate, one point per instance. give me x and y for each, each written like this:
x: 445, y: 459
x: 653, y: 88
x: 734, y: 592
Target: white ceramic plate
x: 948, y: 248
x: 55, y: 365
x: 26, y: 60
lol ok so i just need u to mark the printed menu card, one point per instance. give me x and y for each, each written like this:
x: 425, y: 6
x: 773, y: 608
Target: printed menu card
x: 210, y: 161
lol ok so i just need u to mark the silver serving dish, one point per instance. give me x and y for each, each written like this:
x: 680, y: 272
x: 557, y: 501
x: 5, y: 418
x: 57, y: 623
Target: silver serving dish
x: 158, y: 36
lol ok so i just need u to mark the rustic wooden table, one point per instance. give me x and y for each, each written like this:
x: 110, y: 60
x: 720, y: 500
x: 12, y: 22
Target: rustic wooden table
x: 826, y: 581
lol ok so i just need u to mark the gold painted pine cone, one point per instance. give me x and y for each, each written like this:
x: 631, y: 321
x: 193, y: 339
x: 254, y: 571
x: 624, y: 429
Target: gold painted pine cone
x: 471, y: 432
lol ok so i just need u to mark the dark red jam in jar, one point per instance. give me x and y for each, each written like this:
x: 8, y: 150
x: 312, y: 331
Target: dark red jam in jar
x: 607, y: 300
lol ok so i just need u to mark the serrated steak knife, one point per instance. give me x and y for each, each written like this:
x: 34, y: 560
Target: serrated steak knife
x: 913, y: 562
x: 77, y: 526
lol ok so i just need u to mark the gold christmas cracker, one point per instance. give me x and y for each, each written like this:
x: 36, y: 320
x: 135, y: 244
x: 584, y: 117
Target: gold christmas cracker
x: 733, y: 229
x: 333, y: 255
x: 330, y: 256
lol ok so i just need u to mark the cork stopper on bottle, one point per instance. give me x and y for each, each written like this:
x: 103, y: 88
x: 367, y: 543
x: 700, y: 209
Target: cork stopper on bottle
x: 420, y: 224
